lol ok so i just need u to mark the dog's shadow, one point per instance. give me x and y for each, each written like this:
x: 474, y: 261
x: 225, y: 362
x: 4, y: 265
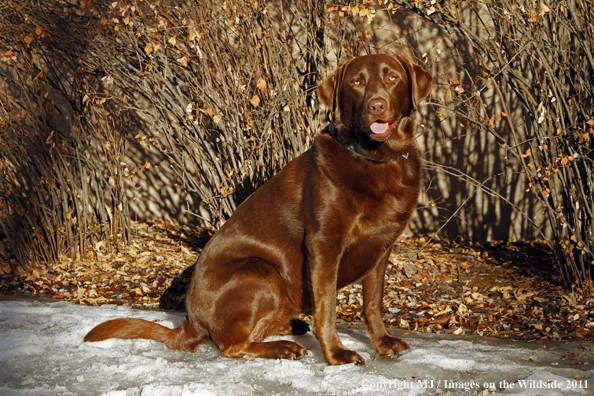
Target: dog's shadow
x: 195, y: 238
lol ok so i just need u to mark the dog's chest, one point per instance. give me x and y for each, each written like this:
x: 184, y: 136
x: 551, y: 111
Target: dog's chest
x: 362, y: 255
x: 372, y: 234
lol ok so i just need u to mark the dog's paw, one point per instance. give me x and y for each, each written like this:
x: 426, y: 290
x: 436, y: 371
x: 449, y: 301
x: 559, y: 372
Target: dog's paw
x: 287, y: 350
x: 390, y: 345
x: 345, y: 356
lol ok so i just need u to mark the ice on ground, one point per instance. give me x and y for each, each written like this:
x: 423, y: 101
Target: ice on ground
x: 42, y: 353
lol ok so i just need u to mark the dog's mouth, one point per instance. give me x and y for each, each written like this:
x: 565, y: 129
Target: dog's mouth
x: 379, y: 130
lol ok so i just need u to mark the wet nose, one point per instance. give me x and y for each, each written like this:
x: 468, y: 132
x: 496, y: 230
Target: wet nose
x: 377, y: 106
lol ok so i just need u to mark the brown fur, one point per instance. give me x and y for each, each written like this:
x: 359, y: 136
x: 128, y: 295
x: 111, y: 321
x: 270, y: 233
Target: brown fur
x: 328, y: 219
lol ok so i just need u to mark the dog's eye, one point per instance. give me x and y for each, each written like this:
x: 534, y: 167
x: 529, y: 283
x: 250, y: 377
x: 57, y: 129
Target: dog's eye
x: 392, y: 78
x: 357, y: 82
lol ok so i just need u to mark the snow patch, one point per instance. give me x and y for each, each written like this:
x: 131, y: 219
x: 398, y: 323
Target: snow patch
x: 42, y: 353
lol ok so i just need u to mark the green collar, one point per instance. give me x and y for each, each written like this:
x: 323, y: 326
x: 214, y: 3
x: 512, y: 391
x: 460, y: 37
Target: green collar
x: 356, y: 149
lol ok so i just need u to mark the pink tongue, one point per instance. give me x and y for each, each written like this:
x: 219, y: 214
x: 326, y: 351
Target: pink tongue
x: 379, y: 127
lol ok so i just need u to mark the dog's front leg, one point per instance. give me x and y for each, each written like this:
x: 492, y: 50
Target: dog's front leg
x: 323, y: 272
x: 373, y: 291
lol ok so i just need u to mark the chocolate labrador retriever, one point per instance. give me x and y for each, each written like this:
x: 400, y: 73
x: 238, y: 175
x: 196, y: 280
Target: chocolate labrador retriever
x: 327, y: 219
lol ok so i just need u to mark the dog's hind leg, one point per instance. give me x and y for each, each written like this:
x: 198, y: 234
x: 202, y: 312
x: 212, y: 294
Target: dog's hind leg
x: 267, y: 350
x: 252, y: 306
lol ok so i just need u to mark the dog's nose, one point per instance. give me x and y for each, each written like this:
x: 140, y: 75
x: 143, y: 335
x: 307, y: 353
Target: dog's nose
x: 377, y: 106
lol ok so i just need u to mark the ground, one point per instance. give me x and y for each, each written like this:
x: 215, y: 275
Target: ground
x: 42, y: 353
x: 503, y: 290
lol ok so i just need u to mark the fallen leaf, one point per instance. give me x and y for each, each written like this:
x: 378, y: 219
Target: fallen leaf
x: 261, y: 85
x: 537, y: 326
x: 463, y: 310
x: 523, y: 297
x: 255, y: 101
x: 479, y: 297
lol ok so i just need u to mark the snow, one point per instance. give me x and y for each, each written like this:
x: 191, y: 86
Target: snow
x: 42, y: 353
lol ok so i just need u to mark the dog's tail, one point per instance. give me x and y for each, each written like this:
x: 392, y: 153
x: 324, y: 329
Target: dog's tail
x: 184, y: 338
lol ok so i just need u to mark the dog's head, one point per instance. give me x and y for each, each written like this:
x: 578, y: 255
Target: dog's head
x: 373, y: 98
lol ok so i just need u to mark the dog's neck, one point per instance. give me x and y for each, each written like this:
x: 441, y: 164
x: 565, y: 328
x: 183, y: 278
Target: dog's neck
x: 356, y: 148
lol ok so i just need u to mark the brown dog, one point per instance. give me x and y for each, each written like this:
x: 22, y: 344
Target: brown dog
x: 328, y: 219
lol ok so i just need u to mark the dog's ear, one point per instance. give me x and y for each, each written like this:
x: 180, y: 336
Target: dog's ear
x: 326, y: 91
x: 421, y: 81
